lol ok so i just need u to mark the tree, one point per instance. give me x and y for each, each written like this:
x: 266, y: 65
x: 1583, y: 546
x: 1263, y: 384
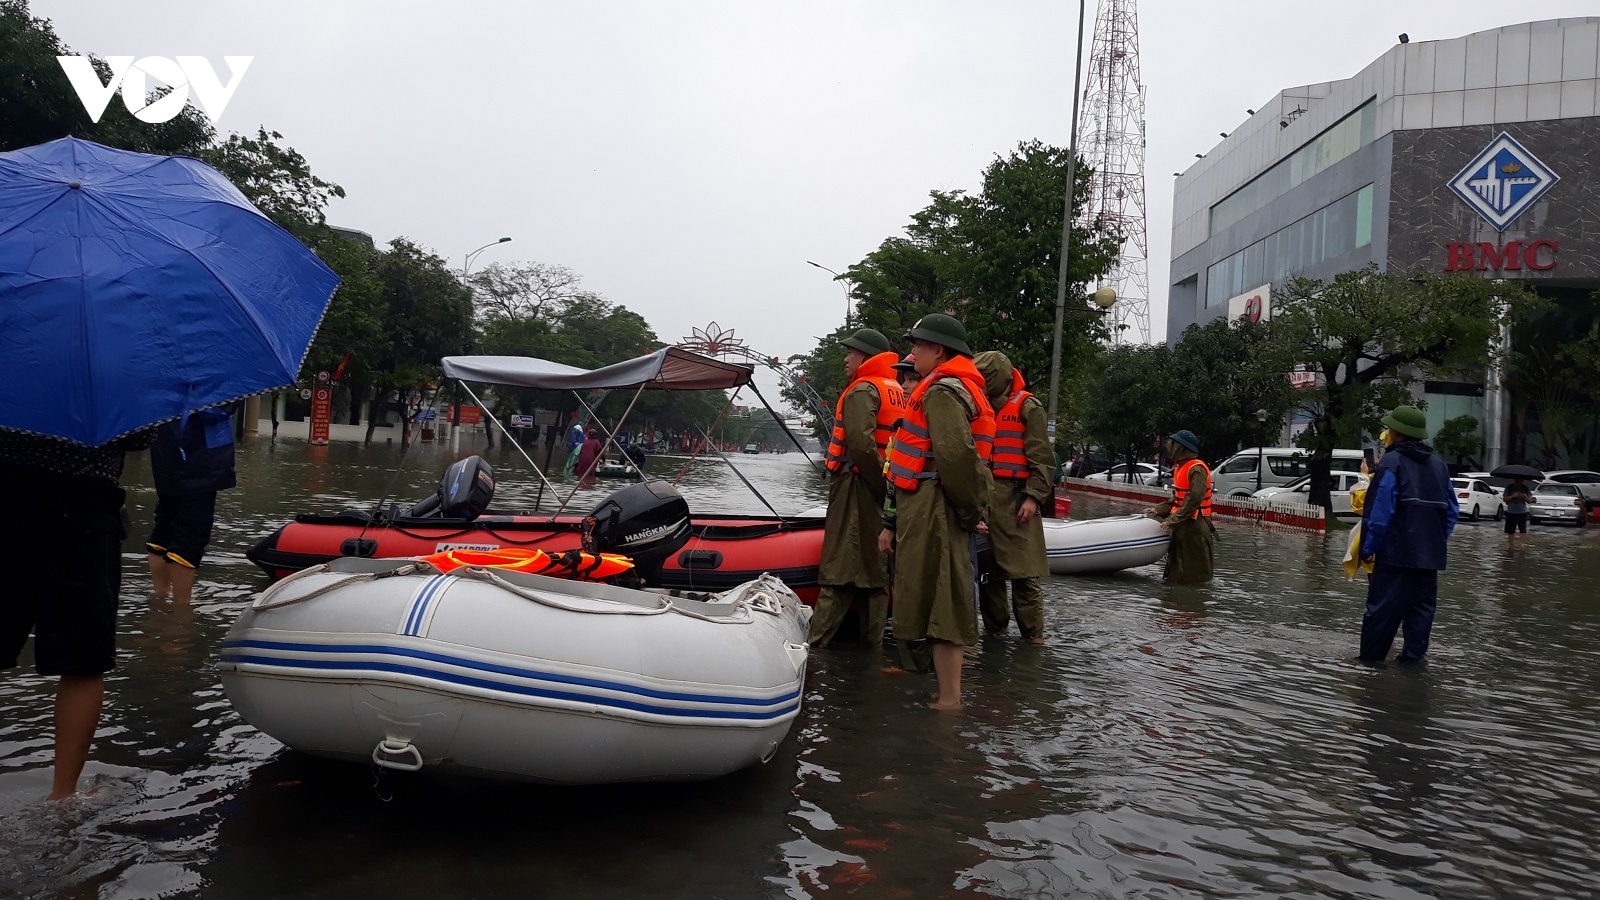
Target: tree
x: 279, y: 181
x: 1550, y: 373
x: 990, y: 259
x: 1368, y: 336
x: 1458, y: 439
x: 38, y: 103
x: 427, y: 315
x: 1129, y: 397
x: 523, y: 291
x: 1227, y: 379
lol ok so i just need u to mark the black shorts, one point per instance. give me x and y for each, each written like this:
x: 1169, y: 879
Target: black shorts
x: 183, y: 527
x: 1516, y: 522
x: 65, y: 542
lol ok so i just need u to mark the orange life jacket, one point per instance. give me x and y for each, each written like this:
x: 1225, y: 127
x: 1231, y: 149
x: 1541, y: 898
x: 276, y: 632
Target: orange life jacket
x: 574, y: 564
x: 1010, y: 457
x: 879, y: 372
x: 913, y: 444
x: 1180, y: 486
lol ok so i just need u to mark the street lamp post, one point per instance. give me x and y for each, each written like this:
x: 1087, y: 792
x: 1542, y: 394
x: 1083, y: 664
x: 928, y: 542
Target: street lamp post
x: 455, y: 408
x: 1261, y: 450
x: 836, y: 277
x: 1066, y: 235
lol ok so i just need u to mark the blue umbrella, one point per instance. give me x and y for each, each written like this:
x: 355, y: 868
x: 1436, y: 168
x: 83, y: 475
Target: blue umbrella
x: 135, y: 289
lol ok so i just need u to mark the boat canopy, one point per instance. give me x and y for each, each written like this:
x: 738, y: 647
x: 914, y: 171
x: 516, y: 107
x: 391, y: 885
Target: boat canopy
x: 667, y: 369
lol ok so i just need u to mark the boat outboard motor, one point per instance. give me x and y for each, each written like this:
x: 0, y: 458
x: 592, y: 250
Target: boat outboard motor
x: 647, y: 522
x: 464, y: 492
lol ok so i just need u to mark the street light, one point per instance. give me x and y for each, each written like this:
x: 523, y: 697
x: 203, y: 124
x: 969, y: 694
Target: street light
x: 837, y: 277
x: 455, y: 408
x: 466, y: 261
x: 1066, y: 235
x: 1261, y: 434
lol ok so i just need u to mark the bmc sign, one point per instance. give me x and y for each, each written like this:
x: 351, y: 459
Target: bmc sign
x: 1514, y: 257
x: 187, y: 72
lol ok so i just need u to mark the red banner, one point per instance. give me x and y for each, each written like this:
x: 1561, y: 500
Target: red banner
x: 321, y: 414
x: 470, y: 415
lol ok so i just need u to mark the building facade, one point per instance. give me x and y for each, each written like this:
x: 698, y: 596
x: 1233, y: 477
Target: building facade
x: 1471, y: 154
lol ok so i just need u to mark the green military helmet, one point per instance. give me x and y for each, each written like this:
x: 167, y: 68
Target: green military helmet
x: 1409, y: 421
x: 938, y: 328
x: 1185, y: 438
x: 869, y: 341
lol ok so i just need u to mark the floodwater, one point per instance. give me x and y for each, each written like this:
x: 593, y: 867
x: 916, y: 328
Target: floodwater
x: 1168, y: 742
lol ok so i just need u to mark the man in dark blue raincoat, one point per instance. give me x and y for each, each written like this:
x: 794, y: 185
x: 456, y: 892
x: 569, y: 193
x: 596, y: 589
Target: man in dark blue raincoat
x: 1411, y: 512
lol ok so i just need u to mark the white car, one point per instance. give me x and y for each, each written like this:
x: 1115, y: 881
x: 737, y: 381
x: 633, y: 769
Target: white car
x: 1588, y: 482
x: 1143, y: 473
x: 1299, y: 491
x: 1477, y: 498
x: 1556, y: 502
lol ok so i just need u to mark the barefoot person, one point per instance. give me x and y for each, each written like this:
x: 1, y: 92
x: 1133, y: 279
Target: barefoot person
x: 938, y: 466
x: 66, y: 593
x: 191, y: 461
x: 1023, y: 466
x: 853, y: 570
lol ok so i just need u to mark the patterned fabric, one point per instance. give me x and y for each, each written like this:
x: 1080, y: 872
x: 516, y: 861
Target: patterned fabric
x: 66, y: 458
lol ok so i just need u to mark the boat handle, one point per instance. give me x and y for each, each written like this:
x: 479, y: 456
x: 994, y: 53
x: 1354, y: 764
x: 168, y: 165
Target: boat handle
x: 384, y: 753
x: 797, y: 655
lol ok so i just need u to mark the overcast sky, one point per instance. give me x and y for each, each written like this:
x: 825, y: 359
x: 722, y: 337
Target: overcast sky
x: 687, y: 158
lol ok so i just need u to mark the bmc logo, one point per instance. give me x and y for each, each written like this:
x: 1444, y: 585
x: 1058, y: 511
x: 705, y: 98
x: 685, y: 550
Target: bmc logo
x: 186, y: 72
x: 1484, y: 256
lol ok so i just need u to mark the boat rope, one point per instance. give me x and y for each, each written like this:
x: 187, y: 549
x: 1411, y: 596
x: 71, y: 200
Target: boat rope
x: 264, y: 601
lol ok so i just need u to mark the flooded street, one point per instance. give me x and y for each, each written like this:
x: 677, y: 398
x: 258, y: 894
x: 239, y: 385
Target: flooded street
x: 1168, y: 741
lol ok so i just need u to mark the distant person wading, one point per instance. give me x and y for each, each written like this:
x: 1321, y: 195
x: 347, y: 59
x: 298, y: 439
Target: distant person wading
x: 1192, y: 553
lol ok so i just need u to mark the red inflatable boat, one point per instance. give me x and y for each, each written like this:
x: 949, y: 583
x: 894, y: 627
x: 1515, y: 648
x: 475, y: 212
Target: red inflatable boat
x: 722, y: 551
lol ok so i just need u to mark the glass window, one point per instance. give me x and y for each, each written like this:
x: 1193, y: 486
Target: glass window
x: 1238, y: 465
x: 1345, y: 137
x: 1364, y: 216
x: 1345, y: 465
x: 1287, y: 466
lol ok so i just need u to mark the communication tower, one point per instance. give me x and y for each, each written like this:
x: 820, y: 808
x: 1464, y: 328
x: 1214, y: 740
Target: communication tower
x: 1113, y: 127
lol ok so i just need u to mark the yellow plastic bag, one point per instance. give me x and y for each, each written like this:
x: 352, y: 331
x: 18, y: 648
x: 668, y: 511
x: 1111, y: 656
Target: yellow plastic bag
x: 1352, y: 554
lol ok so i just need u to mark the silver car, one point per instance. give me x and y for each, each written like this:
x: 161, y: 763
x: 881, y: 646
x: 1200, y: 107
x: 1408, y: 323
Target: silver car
x: 1554, y: 502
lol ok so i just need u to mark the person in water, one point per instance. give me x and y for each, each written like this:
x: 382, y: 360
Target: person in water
x: 853, y: 572
x: 191, y: 461
x: 1410, y: 513
x: 1023, y: 467
x: 1517, y: 497
x: 589, y: 456
x: 1192, y: 554
x: 939, y: 469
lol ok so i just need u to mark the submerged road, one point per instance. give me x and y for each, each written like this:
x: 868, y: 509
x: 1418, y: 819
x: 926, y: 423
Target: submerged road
x: 1215, y: 741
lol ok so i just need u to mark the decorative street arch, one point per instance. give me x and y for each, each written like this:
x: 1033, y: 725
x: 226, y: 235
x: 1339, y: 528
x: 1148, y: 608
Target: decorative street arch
x: 719, y: 343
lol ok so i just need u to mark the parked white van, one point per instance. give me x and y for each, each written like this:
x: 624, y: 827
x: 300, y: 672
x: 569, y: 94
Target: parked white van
x: 1237, y: 476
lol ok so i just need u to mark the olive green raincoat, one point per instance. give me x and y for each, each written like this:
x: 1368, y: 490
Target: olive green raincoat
x: 932, y: 564
x: 852, y: 569
x: 1192, y: 553
x: 1019, y: 550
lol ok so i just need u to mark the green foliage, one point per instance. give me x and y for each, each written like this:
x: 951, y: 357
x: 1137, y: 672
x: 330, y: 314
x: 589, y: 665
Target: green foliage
x: 1230, y: 386
x: 1551, y: 374
x: 1131, y: 397
x: 427, y: 315
x: 1370, y: 336
x: 38, y: 104
x: 278, y: 180
x: 1458, y: 439
x: 990, y: 259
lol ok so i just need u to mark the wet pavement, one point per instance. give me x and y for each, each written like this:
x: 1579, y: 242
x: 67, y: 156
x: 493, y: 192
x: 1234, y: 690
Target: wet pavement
x: 1168, y: 742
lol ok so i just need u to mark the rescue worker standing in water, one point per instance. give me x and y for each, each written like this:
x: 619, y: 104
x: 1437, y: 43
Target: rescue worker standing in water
x: 1410, y: 513
x: 1023, y: 467
x: 1192, y: 553
x: 939, y: 469
x: 853, y: 568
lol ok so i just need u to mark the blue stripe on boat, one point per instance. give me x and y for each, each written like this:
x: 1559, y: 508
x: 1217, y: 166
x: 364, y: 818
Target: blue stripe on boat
x: 420, y: 602
x: 491, y: 668
x: 1115, y: 545
x: 506, y: 687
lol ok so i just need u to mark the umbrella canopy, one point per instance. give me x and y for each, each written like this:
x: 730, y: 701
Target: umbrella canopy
x: 1515, y: 471
x: 135, y: 289
x: 667, y: 369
